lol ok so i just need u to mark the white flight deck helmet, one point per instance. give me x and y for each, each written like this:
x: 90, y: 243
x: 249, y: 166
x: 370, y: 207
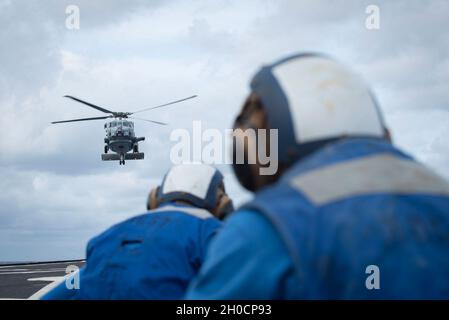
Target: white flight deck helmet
x: 196, y: 184
x: 312, y: 100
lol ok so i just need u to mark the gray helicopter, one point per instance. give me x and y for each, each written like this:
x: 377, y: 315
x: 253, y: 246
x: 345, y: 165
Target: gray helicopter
x: 120, y: 137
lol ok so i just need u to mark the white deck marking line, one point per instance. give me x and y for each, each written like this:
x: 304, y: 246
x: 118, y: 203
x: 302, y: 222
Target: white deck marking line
x: 37, y: 271
x: 8, y: 270
x: 54, y: 282
x: 41, y: 264
x: 49, y: 279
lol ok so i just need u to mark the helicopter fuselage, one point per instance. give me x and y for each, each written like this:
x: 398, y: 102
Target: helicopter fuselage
x: 120, y: 138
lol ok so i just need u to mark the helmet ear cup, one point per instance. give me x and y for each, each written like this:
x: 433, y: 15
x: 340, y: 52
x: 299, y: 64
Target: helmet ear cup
x: 223, y: 208
x: 152, y: 202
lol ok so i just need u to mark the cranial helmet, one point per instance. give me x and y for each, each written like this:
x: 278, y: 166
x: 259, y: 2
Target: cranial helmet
x: 196, y: 184
x: 312, y: 99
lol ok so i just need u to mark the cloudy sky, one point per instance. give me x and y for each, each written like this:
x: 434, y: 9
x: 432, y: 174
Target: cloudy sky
x: 55, y: 191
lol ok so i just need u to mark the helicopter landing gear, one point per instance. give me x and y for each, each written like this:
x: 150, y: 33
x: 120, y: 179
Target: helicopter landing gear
x: 106, y: 149
x: 136, y: 148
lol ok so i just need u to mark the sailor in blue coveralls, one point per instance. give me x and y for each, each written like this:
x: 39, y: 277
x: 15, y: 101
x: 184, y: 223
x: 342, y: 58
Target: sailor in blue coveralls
x: 346, y: 216
x: 155, y: 255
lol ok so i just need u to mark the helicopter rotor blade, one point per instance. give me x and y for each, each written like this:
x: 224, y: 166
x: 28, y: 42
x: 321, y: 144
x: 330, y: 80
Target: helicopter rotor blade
x: 156, y: 122
x: 165, y: 104
x: 82, y: 119
x: 90, y: 104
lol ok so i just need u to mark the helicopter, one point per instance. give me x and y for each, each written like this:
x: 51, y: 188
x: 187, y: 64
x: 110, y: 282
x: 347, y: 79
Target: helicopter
x: 120, y: 137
